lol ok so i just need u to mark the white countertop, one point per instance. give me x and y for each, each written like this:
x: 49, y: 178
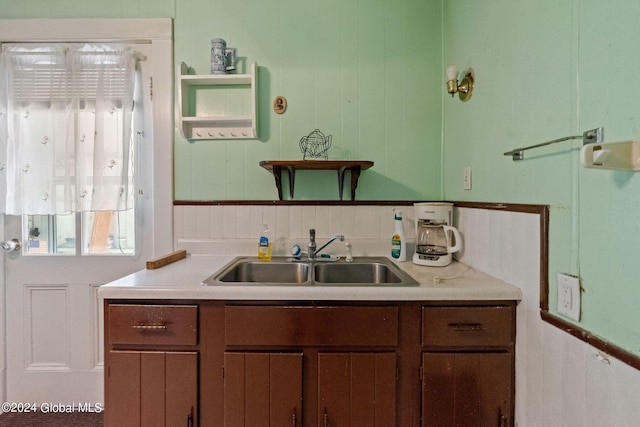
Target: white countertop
x: 182, y: 280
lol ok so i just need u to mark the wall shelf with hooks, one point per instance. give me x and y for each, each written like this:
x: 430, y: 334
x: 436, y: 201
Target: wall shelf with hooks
x: 217, y: 106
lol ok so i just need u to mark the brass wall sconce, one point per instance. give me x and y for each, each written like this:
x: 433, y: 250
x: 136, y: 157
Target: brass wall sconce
x: 465, y: 87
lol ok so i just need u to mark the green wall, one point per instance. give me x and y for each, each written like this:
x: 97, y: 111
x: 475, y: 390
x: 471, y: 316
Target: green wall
x: 545, y: 70
x: 365, y: 72
x: 11, y: 9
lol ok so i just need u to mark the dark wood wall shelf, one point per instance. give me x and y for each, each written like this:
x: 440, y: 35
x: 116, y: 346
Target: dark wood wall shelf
x: 355, y: 166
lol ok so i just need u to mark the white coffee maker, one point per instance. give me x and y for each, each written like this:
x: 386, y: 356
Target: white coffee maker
x: 436, y: 239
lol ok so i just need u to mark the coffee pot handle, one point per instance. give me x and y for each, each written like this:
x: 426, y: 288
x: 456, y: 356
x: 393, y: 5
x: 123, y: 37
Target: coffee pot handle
x: 456, y: 236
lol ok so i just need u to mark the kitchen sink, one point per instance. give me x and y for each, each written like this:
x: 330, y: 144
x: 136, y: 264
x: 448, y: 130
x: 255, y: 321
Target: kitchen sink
x: 280, y: 271
x: 253, y: 271
x: 362, y: 272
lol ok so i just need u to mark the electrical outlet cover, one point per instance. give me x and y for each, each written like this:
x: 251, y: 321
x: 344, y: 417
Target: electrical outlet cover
x: 569, y: 296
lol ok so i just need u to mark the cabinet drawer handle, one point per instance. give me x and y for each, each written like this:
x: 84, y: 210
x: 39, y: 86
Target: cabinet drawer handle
x: 467, y: 327
x: 294, y: 419
x: 150, y: 327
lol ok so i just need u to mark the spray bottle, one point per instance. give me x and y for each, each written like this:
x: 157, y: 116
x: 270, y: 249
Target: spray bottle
x: 398, y: 242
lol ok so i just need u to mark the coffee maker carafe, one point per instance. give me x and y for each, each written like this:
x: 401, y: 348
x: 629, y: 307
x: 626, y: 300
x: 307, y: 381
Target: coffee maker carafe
x: 434, y: 234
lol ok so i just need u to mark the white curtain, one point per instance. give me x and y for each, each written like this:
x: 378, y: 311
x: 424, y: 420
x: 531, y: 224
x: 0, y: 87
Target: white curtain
x: 65, y: 129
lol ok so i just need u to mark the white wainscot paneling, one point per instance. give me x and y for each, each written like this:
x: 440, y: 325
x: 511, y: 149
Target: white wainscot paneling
x: 228, y: 229
x: 560, y: 380
x: 503, y: 244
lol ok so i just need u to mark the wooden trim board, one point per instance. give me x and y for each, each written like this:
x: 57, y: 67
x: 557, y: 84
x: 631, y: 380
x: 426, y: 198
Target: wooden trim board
x: 167, y: 259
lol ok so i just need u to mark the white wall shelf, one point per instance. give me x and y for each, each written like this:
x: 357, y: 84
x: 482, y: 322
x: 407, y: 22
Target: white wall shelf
x: 217, y: 106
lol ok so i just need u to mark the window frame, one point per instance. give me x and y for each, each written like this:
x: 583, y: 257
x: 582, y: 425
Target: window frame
x: 158, y: 197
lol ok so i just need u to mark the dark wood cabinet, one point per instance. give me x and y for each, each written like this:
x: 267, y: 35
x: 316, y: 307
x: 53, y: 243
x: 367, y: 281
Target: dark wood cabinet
x: 266, y: 389
x: 152, y: 388
x: 145, y: 386
x: 332, y: 364
x: 347, y: 359
x: 468, y: 364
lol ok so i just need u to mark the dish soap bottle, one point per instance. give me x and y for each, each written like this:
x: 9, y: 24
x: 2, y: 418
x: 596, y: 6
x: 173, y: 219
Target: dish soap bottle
x: 398, y: 243
x: 264, y: 244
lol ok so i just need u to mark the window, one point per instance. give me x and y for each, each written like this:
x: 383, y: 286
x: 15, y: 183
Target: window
x: 102, y: 233
x: 71, y: 116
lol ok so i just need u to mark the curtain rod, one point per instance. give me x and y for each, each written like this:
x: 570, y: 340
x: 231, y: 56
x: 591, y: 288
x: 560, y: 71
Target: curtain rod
x: 139, y: 56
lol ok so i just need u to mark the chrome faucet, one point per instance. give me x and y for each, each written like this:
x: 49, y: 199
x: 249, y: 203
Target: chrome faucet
x: 311, y: 246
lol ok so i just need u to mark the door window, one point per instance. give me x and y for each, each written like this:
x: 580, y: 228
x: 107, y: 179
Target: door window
x: 89, y: 226
x: 101, y: 233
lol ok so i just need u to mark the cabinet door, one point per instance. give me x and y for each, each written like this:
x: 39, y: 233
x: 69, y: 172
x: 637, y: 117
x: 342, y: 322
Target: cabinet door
x: 181, y: 389
x: 263, y: 389
x: 356, y: 389
x: 151, y: 388
x: 122, y: 389
x: 467, y: 389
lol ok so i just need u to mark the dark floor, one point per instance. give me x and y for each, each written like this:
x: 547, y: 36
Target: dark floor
x: 41, y: 419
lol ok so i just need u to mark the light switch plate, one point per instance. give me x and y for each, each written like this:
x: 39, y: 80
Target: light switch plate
x: 569, y: 296
x: 466, y: 178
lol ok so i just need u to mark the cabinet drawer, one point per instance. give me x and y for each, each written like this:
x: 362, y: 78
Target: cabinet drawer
x: 467, y: 326
x: 311, y: 326
x: 153, y: 324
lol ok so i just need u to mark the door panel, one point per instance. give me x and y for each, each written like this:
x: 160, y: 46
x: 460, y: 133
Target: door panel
x: 181, y: 389
x: 334, y: 389
x: 263, y: 389
x: 286, y: 390
x: 152, y: 389
x: 466, y: 389
x: 162, y: 389
x: 124, y: 371
x: 356, y: 389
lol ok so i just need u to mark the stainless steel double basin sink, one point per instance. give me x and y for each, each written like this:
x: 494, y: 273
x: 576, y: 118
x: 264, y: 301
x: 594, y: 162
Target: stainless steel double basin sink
x: 363, y: 271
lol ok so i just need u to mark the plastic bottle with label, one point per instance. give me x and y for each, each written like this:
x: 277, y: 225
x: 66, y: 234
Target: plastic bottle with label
x: 398, y: 243
x: 264, y: 244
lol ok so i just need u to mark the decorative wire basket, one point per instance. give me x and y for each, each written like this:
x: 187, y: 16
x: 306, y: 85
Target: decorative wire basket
x: 315, y: 145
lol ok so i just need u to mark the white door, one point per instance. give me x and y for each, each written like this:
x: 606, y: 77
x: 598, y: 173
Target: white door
x: 53, y: 323
x: 53, y: 318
